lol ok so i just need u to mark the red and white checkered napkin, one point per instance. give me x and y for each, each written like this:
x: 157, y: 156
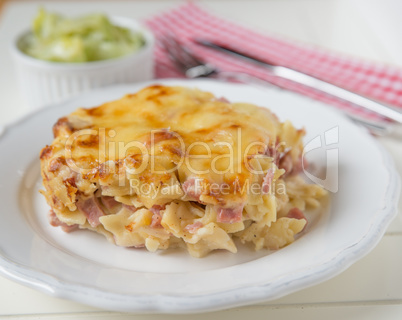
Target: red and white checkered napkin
x: 189, y: 21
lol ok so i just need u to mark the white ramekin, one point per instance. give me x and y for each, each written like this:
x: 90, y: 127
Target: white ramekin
x: 43, y: 82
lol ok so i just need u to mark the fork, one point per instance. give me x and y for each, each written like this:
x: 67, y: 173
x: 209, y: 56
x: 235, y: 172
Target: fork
x: 193, y: 67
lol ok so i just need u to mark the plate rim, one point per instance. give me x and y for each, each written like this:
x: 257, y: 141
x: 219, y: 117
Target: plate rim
x: 164, y: 303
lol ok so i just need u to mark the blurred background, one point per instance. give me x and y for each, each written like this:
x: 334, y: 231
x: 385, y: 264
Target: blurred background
x: 363, y: 28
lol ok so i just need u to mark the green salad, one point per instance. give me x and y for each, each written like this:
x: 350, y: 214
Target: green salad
x: 88, y: 38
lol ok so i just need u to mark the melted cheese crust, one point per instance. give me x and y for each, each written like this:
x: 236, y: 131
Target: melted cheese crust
x: 148, y: 150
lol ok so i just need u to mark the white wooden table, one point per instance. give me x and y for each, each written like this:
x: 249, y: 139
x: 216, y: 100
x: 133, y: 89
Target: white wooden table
x: 371, y: 288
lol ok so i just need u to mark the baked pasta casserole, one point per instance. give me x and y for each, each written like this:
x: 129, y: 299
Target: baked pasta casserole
x: 174, y: 166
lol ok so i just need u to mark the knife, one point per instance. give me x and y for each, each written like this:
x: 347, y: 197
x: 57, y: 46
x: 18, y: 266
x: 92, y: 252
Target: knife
x: 312, y: 82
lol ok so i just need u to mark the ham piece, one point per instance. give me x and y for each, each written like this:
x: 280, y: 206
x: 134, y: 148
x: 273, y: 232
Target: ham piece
x: 191, y: 190
x: 156, y: 217
x: 192, y: 228
x: 230, y: 215
x: 296, y: 213
x: 92, y: 210
x: 55, y: 222
x: 291, y: 168
x: 267, y: 181
x: 131, y: 208
x: 109, y: 202
x: 223, y: 99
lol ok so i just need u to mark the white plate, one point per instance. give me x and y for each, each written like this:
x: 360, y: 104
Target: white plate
x: 84, y: 267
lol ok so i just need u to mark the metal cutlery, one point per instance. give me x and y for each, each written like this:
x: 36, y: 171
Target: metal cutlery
x: 193, y: 67
x: 312, y: 82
